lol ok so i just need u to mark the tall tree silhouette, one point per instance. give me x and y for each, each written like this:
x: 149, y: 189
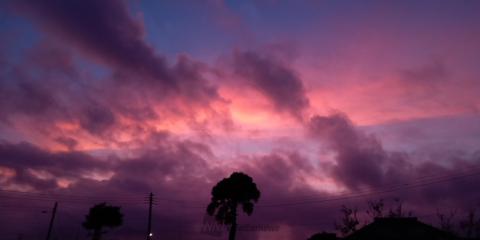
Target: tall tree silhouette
x: 228, y: 194
x: 100, y: 216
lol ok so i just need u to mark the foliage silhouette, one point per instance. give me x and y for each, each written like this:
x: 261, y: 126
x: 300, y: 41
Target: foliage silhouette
x: 228, y: 194
x: 467, y: 227
x: 470, y: 225
x: 375, y: 208
x: 100, y: 216
x: 397, y: 211
x: 446, y: 221
x: 349, y: 221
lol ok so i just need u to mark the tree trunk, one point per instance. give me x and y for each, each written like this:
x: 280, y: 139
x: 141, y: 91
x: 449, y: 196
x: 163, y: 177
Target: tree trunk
x: 233, y: 228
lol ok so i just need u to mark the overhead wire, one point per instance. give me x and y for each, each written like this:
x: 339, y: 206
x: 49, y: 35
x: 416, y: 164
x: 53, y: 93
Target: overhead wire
x: 314, y: 199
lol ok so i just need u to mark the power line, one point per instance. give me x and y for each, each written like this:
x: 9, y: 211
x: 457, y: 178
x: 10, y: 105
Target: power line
x: 370, y: 193
x: 121, y: 199
x: 72, y: 196
x: 369, y: 189
x: 81, y: 198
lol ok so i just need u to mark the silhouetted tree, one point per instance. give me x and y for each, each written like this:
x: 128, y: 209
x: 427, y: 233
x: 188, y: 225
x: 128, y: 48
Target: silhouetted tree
x: 397, y: 210
x: 375, y: 208
x: 100, y: 216
x: 446, y: 221
x: 471, y: 224
x: 349, y: 221
x: 228, y: 194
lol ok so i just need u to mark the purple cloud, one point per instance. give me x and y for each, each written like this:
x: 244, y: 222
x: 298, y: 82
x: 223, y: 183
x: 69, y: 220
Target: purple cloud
x: 107, y: 32
x: 361, y: 163
x: 277, y: 81
x: 359, y: 157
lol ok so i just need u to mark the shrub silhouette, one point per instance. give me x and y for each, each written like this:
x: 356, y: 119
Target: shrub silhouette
x: 349, y: 221
x: 228, y: 194
x: 100, y: 216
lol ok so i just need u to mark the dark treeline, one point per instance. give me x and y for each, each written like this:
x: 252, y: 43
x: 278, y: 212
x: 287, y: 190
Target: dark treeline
x: 239, y: 193
x: 464, y: 224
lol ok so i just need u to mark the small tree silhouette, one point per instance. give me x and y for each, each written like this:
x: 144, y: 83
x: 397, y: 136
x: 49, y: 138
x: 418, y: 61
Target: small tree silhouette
x: 471, y: 224
x: 446, y: 221
x: 238, y: 189
x: 375, y: 208
x: 397, y: 211
x: 102, y: 215
x: 349, y: 221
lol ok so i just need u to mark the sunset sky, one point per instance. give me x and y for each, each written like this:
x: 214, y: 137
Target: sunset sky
x: 316, y: 100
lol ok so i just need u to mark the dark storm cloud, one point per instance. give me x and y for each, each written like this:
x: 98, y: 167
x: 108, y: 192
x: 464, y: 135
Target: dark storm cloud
x: 176, y: 170
x: 281, y: 175
x: 97, y: 119
x: 46, y: 84
x: 277, y: 81
x: 25, y: 96
x: 287, y: 180
x: 30, y: 86
x: 36, y: 85
x: 461, y: 191
x: 179, y: 173
x: 68, y: 142
x: 361, y: 161
x: 279, y: 170
x: 189, y: 76
x: 359, y: 157
x: 182, y: 161
x: 106, y: 31
x: 51, y: 60
x: 46, y: 87
x: 24, y: 157
x: 289, y: 199
x: 178, y: 161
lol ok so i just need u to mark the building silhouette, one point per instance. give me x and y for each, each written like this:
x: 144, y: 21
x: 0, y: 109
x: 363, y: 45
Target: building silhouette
x: 392, y: 228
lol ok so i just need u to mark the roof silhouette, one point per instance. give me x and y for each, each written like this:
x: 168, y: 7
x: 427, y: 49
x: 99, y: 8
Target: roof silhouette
x: 323, y: 236
x: 399, y: 228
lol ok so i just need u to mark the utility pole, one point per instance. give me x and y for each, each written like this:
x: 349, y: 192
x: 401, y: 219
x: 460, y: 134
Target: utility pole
x: 52, y: 218
x: 150, y: 203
